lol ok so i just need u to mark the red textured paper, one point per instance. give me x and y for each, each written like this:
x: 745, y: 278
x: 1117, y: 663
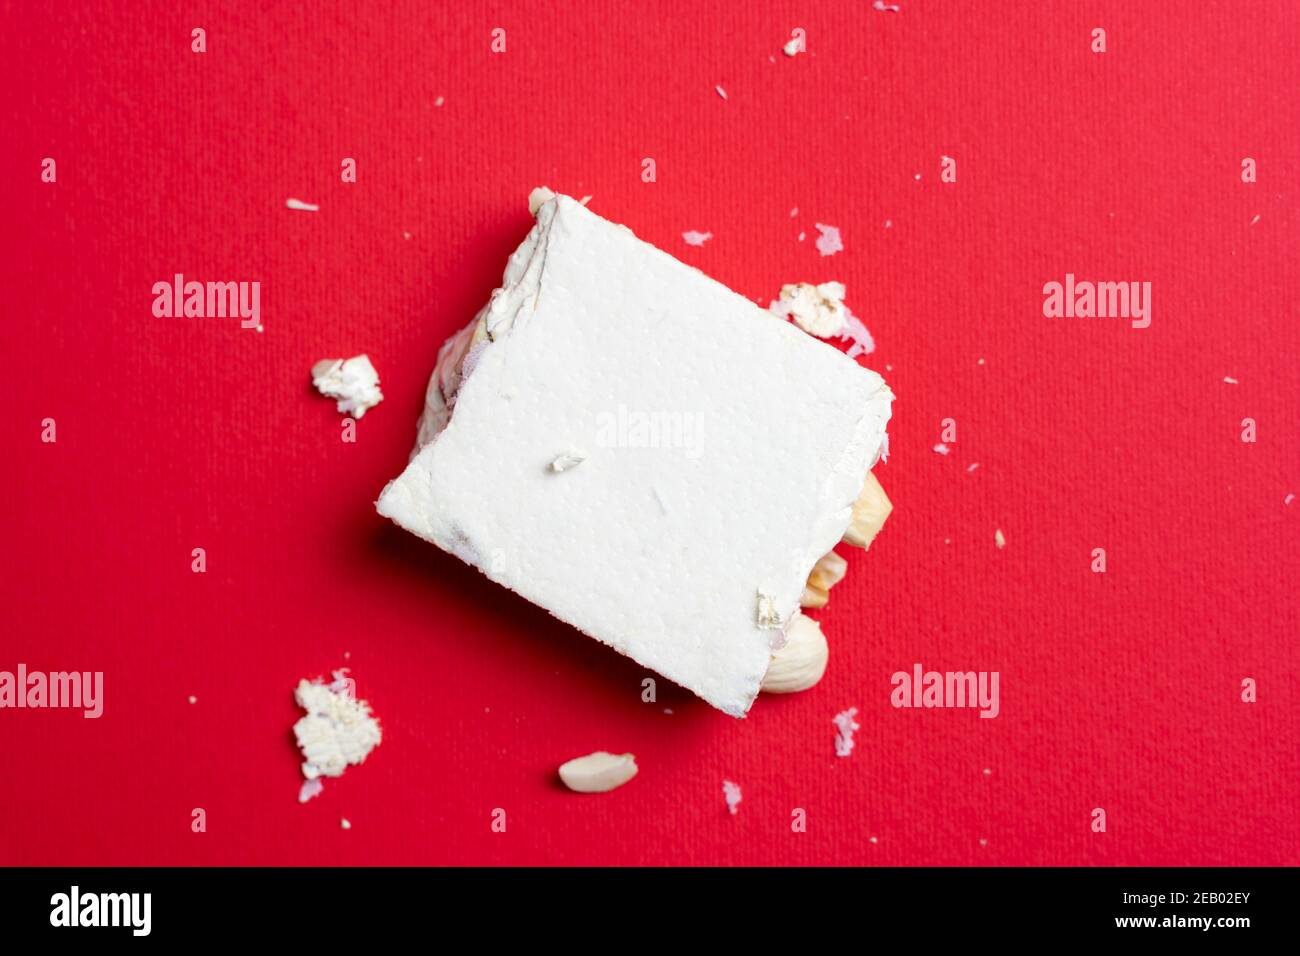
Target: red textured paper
x: 1119, y: 691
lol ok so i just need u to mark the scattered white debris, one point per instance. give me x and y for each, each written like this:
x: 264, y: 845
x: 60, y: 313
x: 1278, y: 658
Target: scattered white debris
x: 947, y: 540
x: 874, y: 840
x: 694, y: 238
x: 941, y: 448
x: 845, y: 727
x: 567, y: 460
x: 354, y: 382
x: 829, y: 242
x: 987, y: 771
x: 721, y: 92
x: 668, y: 711
x: 983, y: 842
x: 439, y: 101
x: 889, y: 224
x: 310, y: 788
x: 793, y: 47
x: 731, y: 793
x: 885, y: 7
x: 337, y: 731
x: 193, y: 699
x: 301, y: 206
x: 1230, y: 380
x: 1288, y: 499
x: 917, y: 177
x: 999, y: 538
x: 1255, y: 220
x: 260, y: 328
x: 802, y: 235
x: 980, y: 362
x: 345, y: 823
x: 794, y: 212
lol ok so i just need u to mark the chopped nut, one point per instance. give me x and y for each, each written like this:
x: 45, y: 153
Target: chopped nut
x: 869, y: 514
x: 801, y: 662
x: 598, y: 772
x: 768, y: 618
x: 813, y: 597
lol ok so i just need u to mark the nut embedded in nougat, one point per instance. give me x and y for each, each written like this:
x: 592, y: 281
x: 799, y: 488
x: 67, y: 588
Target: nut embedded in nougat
x: 826, y: 573
x: 869, y: 514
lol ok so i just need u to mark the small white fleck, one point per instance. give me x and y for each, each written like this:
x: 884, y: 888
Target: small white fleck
x: 345, y: 823
x: 874, y: 840
x: 947, y: 540
x: 889, y: 224
x: 487, y: 710
x: 1255, y: 220
x: 731, y: 793
x: 889, y: 368
x: 793, y: 47
x: 567, y: 460
x: 983, y: 842
x: 721, y: 92
x: 1230, y: 380
x: 301, y: 206
x: 439, y: 101
x: 999, y: 538
x: 941, y: 448
x: 794, y: 212
x: 260, y: 327
x: 917, y: 177
x: 668, y: 711
x: 693, y: 238
x: 310, y: 788
x: 829, y: 242
x: 767, y: 617
x: 980, y: 362
x: 885, y: 7
x: 802, y: 235
x: 972, y: 466
x: 845, y: 727
x: 193, y: 699
x: 1288, y: 499
x: 406, y: 235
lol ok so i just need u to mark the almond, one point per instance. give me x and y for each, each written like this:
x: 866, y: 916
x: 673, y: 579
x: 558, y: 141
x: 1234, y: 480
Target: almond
x: 801, y: 662
x: 598, y: 772
x: 869, y: 514
x: 813, y: 596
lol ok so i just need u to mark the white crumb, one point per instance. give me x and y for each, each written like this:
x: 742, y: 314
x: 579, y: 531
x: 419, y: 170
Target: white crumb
x: 301, y: 206
x: 768, y: 618
x: 193, y: 699
x: 983, y: 842
x: 567, y: 460
x: 1288, y: 499
x: 845, y: 727
x: 829, y: 242
x: 980, y: 362
x: 345, y: 823
x: 694, y: 238
x: 353, y: 382
x: 721, y: 92
x: 917, y: 177
x: 885, y: 7
x: 874, y: 840
x: 889, y: 224
x: 820, y: 310
x: 972, y: 466
x: 987, y: 771
x: 794, y: 212
x: 731, y: 793
x: 791, y: 48
x: 999, y: 538
x: 406, y: 235
x: 439, y: 101
x: 941, y: 448
x: 1230, y: 380
x: 310, y: 788
x: 338, y: 730
x: 668, y: 711
x: 1255, y: 220
x: 260, y: 328
x: 802, y: 235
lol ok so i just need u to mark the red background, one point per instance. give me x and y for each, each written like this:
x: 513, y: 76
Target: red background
x: 1119, y: 690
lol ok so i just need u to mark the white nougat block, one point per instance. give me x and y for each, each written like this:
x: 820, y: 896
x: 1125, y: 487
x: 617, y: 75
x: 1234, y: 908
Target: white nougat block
x: 642, y: 452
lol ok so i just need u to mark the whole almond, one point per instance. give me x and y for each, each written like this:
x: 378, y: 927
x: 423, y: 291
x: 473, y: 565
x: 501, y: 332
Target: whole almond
x: 598, y: 772
x: 801, y: 662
